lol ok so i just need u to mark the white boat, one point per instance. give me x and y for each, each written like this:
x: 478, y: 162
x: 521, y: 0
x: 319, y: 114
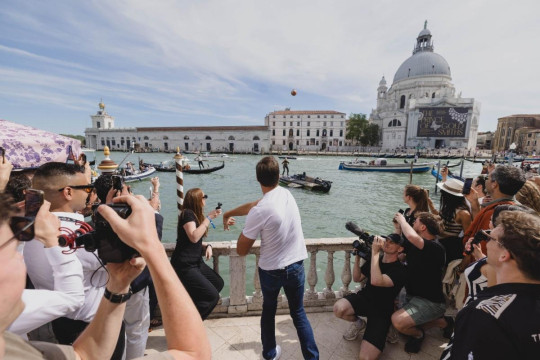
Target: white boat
x: 381, y: 165
x: 139, y: 175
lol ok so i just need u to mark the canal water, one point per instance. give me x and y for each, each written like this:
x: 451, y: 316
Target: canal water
x: 370, y: 199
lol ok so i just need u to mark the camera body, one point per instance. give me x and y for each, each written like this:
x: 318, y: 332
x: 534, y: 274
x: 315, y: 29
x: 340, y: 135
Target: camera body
x: 361, y: 247
x: 218, y: 206
x: 102, y: 238
x: 477, y: 239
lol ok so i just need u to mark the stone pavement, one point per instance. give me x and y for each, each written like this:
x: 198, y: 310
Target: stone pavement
x: 240, y: 338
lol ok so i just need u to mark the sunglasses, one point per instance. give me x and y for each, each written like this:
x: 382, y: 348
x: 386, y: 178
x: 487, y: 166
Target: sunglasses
x: 22, y: 228
x: 87, y: 188
x: 487, y: 233
x: 205, y: 196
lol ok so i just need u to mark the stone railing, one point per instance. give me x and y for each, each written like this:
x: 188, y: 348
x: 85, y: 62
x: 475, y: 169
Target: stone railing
x: 240, y: 304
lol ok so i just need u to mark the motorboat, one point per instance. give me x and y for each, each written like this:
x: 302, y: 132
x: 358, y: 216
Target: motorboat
x: 306, y: 182
x: 382, y: 165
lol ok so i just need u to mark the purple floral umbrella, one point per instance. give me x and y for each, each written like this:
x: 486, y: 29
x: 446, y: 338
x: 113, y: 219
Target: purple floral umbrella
x: 27, y: 147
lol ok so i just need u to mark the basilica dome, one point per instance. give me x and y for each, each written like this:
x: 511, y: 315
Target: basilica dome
x: 423, y: 62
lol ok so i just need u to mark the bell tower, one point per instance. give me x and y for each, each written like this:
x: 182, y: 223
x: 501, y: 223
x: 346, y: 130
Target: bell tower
x: 102, y: 120
x: 381, y: 92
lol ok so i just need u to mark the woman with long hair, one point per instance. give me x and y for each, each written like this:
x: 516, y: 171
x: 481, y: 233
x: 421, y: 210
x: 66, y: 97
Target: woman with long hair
x: 416, y: 198
x: 201, y: 282
x: 455, y: 215
x: 529, y: 195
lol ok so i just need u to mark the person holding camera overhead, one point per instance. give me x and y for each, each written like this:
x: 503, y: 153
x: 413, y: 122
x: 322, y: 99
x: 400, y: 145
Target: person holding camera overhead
x: 385, y: 277
x: 201, y: 282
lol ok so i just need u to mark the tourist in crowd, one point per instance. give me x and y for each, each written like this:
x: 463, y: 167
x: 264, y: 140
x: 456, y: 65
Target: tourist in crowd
x: 480, y: 274
x: 502, y: 323
x: 66, y: 187
x: 276, y: 219
x: 186, y: 337
x: 17, y: 186
x: 455, y: 216
x: 502, y: 183
x: 385, y: 277
x: 137, y: 314
x: 425, y: 303
x: 529, y: 195
x: 201, y: 282
x: 417, y: 200
x: 479, y: 184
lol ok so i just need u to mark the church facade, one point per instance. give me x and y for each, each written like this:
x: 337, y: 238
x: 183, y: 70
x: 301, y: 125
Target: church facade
x: 421, y: 109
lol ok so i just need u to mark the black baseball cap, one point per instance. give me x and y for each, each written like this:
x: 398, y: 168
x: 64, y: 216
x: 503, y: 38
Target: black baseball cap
x: 395, y: 238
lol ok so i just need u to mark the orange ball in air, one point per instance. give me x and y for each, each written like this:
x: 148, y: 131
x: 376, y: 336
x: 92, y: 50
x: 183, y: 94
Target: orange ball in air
x: 293, y: 92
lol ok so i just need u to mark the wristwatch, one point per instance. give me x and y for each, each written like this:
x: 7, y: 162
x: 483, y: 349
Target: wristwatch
x: 117, y: 298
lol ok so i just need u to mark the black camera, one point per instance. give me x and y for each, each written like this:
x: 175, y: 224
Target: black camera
x: 102, y: 238
x: 361, y: 248
x: 218, y: 206
x: 481, y: 235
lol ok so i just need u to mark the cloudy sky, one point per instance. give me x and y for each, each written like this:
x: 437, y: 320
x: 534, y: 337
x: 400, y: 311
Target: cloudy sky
x: 230, y: 62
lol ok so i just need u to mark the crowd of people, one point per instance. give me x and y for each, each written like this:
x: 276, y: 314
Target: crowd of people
x: 59, y: 302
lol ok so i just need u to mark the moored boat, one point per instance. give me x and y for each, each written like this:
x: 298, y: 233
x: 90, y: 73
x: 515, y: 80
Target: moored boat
x: 306, y: 182
x: 138, y: 175
x: 381, y: 165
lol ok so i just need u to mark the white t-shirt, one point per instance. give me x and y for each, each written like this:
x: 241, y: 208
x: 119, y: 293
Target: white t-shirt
x: 277, y: 220
x: 41, y: 273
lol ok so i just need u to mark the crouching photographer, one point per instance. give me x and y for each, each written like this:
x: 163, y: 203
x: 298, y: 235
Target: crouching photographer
x: 385, y: 277
x: 186, y: 335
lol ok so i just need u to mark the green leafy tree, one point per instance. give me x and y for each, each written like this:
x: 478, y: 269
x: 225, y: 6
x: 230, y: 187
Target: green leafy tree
x: 355, y: 127
x: 371, y: 135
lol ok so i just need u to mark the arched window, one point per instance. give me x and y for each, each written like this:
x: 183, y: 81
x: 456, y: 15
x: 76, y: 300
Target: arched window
x: 231, y: 137
x: 256, y: 138
x: 208, y: 138
x: 145, y: 138
x: 165, y: 138
x: 186, y: 137
x: 402, y: 102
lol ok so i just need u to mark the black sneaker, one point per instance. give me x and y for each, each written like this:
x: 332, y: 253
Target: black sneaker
x: 449, y: 329
x: 413, y: 345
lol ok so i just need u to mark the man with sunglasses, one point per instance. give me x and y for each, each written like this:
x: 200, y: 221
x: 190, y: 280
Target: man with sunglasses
x: 186, y: 337
x: 503, y: 321
x: 66, y: 187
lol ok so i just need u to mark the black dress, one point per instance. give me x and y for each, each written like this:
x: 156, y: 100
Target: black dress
x: 201, y: 282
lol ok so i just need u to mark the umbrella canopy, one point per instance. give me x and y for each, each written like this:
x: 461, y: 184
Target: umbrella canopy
x: 27, y: 147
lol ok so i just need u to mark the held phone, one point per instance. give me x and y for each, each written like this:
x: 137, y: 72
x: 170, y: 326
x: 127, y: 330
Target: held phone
x: 33, y: 199
x: 117, y: 182
x: 3, y: 153
x: 467, y: 186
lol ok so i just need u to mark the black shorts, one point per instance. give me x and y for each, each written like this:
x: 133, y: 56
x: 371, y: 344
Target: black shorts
x: 378, y: 320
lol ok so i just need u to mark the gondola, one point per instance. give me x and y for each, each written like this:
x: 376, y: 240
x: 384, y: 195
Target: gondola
x: 189, y: 170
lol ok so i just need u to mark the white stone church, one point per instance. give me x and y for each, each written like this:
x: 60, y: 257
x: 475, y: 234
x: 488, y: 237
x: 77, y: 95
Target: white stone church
x: 421, y: 109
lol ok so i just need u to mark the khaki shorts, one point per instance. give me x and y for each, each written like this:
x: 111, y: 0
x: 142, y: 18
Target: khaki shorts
x: 422, y: 310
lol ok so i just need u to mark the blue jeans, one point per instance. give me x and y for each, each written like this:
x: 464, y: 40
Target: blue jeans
x: 291, y: 278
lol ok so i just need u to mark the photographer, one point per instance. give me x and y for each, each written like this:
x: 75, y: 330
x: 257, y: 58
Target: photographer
x: 385, y: 278
x: 186, y: 335
x: 425, y: 305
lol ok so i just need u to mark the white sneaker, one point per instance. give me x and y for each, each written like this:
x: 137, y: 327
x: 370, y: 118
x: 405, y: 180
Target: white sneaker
x: 392, y: 336
x: 278, y: 353
x: 354, y: 330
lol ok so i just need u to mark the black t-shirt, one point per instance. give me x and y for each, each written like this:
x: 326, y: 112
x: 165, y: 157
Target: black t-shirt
x: 503, y: 323
x: 383, y: 297
x: 425, y: 269
x: 186, y: 253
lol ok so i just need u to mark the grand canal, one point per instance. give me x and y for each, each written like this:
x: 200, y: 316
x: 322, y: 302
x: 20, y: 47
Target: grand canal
x: 369, y: 199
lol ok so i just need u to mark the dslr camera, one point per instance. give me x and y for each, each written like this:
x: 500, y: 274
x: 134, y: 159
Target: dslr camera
x: 362, y: 247
x: 102, y: 238
x: 481, y: 235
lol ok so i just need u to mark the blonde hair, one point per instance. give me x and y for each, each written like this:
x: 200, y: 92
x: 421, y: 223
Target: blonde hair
x: 529, y: 195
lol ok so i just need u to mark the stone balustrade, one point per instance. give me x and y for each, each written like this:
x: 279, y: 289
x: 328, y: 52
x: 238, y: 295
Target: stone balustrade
x: 240, y: 304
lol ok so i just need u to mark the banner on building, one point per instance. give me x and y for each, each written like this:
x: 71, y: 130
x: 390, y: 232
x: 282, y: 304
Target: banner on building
x: 443, y: 122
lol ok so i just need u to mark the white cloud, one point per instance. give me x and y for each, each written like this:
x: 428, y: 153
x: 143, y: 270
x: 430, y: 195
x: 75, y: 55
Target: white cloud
x: 229, y: 62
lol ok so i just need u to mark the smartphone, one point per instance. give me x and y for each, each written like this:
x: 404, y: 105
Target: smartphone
x: 467, y: 186
x: 33, y: 199
x: 117, y: 181
x: 3, y: 152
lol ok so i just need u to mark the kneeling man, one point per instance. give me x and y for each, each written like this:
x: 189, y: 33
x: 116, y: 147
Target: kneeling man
x: 385, y: 278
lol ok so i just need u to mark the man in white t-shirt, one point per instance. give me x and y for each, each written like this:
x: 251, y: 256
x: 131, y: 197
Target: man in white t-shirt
x: 276, y: 219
